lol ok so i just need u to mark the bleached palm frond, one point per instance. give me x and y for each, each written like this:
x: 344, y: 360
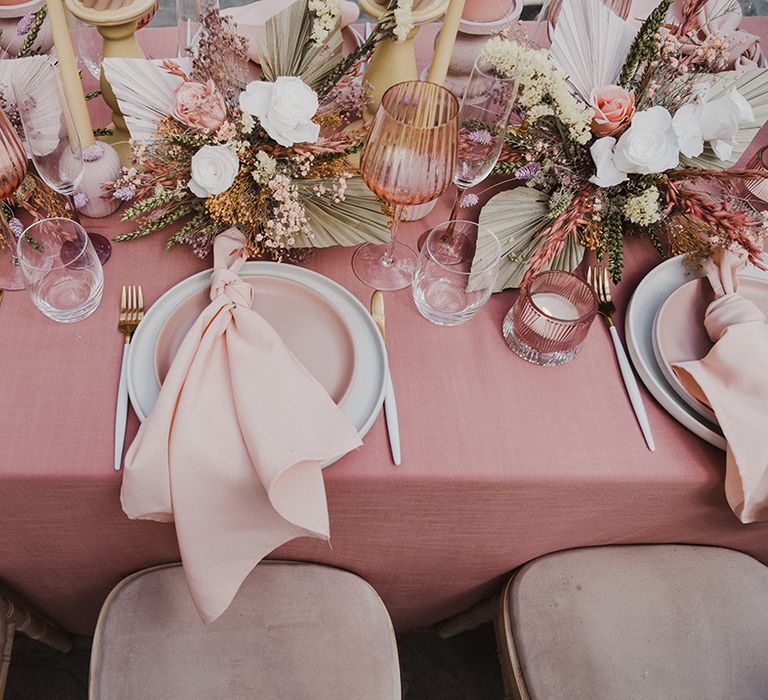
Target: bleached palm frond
x: 590, y: 44
x: 356, y: 219
x: 145, y: 92
x: 284, y: 47
x: 516, y: 217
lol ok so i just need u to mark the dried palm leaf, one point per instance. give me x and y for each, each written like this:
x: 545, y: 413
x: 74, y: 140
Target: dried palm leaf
x: 357, y: 219
x: 145, y: 92
x: 590, y: 44
x: 284, y: 47
x: 516, y: 217
x: 753, y: 86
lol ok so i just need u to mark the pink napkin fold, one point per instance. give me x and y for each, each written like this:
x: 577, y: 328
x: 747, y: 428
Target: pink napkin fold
x: 721, y: 17
x: 732, y: 379
x: 232, y: 450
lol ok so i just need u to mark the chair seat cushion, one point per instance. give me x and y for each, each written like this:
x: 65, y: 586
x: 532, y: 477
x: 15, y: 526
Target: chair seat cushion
x: 293, y: 631
x: 655, y: 622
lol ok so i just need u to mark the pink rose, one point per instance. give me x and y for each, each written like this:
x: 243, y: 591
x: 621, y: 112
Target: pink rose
x: 199, y: 106
x: 614, y: 107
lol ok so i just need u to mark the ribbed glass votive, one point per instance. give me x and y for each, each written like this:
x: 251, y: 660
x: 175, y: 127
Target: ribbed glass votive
x: 550, y: 319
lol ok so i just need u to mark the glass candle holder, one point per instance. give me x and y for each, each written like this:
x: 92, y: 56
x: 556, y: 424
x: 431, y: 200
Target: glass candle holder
x: 550, y: 319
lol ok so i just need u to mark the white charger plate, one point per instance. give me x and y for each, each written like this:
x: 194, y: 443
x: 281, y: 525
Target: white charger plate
x: 362, y: 402
x: 650, y: 294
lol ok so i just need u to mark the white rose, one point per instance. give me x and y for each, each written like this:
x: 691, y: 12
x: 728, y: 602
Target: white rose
x: 649, y: 145
x: 607, y: 174
x: 285, y: 109
x: 717, y: 121
x: 214, y: 169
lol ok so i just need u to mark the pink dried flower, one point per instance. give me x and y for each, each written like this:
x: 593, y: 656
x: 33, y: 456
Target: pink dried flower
x: 124, y: 194
x: 481, y: 137
x: 94, y: 152
x: 528, y: 171
x: 25, y: 23
x: 469, y: 199
x: 17, y: 228
x: 80, y: 199
x: 199, y: 106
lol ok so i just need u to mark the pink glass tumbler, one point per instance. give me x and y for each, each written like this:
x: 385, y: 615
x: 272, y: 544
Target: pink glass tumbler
x: 549, y: 321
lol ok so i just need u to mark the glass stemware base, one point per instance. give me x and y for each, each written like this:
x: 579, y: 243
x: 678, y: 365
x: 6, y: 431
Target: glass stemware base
x: 101, y: 245
x: 372, y: 269
x: 11, y: 279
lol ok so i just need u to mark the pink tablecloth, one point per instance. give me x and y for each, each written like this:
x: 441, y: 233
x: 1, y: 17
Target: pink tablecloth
x: 502, y: 461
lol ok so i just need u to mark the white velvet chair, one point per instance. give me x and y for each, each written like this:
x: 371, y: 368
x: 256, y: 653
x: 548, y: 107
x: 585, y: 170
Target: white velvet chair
x: 293, y: 631
x: 16, y: 617
x: 644, y: 622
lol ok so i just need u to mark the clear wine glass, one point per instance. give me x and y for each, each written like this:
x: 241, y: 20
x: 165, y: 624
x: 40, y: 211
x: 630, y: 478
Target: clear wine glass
x: 483, y: 117
x: 409, y: 158
x: 13, y: 169
x: 52, y: 140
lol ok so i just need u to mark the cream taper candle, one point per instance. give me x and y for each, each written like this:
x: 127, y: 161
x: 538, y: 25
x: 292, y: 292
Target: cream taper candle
x: 70, y: 78
x: 438, y: 69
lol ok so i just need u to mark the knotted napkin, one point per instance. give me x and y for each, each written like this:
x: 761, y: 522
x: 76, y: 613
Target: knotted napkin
x: 733, y: 381
x: 232, y: 450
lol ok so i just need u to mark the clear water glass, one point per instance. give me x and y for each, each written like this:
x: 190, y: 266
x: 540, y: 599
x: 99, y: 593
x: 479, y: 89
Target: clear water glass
x: 447, y: 289
x: 61, y: 270
x: 550, y: 319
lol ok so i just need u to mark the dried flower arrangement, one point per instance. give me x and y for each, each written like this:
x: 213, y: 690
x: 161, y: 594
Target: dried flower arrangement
x: 212, y: 150
x: 618, y: 131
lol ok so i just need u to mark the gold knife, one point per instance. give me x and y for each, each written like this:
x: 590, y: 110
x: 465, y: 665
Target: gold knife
x: 390, y: 407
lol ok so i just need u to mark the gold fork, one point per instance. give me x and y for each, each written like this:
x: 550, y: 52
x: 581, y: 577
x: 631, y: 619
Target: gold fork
x: 131, y: 313
x: 598, y: 278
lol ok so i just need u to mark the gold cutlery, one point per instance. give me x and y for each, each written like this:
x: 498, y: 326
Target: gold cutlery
x: 390, y: 407
x: 131, y: 313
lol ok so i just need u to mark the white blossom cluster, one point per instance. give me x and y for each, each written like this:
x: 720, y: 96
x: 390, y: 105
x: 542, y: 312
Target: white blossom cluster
x: 643, y: 209
x: 543, y: 90
x: 264, y: 168
x: 326, y: 15
x: 403, y: 19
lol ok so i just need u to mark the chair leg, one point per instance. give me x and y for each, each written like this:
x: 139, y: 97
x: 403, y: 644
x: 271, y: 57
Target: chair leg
x: 485, y: 611
x: 6, y: 645
x: 32, y: 626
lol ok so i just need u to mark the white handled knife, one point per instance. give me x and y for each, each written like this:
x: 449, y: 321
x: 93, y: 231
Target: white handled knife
x: 390, y: 407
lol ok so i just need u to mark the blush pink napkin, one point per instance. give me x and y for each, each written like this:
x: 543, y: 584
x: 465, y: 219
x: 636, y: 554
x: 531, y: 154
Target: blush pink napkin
x: 733, y: 381
x: 232, y: 450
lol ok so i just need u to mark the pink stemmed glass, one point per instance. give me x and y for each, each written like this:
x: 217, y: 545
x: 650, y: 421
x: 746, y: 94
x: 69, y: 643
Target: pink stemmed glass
x: 409, y: 158
x: 13, y: 169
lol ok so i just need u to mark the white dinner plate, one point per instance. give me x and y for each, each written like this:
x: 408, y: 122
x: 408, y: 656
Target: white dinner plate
x: 650, y: 294
x: 362, y: 402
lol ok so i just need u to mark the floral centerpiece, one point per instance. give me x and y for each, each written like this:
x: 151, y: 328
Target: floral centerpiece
x: 213, y: 149
x: 619, y: 131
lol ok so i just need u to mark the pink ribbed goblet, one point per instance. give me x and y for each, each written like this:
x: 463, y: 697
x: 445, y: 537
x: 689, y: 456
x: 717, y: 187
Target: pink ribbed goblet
x: 13, y: 169
x: 409, y: 158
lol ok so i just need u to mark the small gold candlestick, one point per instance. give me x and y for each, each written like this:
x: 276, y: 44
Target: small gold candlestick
x: 116, y: 22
